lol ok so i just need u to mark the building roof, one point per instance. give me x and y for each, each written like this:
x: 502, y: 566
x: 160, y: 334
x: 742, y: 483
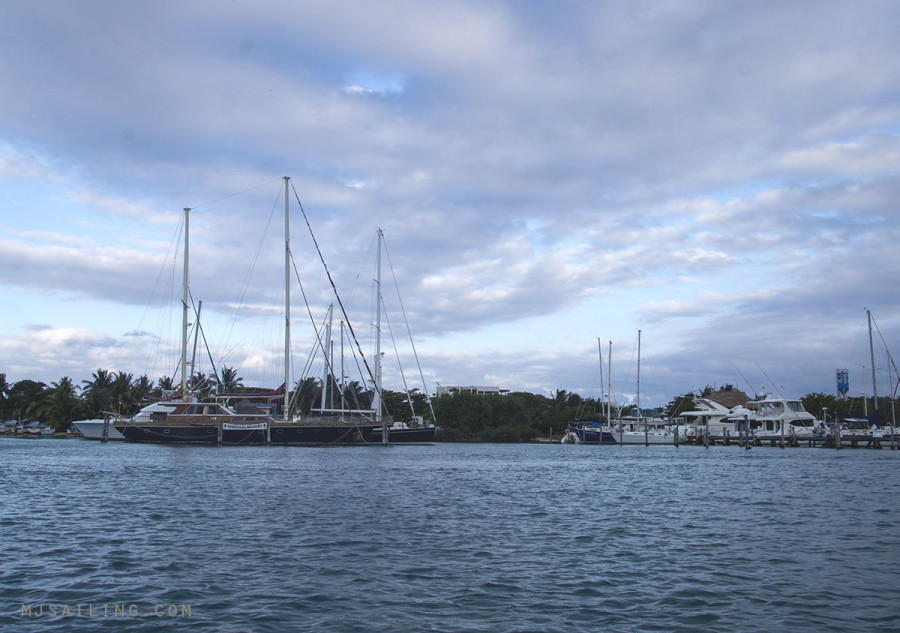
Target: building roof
x: 728, y: 399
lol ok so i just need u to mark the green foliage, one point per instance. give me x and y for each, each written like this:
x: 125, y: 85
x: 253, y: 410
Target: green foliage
x: 230, y: 382
x: 306, y: 395
x: 397, y: 405
x: 356, y: 396
x: 679, y: 405
x: 514, y: 417
x: 24, y: 397
x: 163, y: 384
x: 60, y: 405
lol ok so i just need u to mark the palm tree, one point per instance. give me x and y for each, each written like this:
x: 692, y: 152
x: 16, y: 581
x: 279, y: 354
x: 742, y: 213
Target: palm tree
x: 121, y: 390
x: 140, y: 389
x: 356, y: 396
x: 97, y: 392
x: 307, y: 393
x: 61, y: 404
x: 230, y: 381
x: 200, y: 384
x: 163, y: 384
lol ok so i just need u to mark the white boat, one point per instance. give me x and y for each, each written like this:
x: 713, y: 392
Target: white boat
x: 645, y: 437
x: 642, y: 430
x: 772, y: 418
x: 709, y: 417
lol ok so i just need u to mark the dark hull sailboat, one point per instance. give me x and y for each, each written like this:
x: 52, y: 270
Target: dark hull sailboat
x: 592, y: 434
x: 212, y: 423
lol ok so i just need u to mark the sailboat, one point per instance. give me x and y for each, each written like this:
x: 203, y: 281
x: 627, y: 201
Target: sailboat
x: 640, y: 430
x: 594, y: 431
x: 182, y: 419
x: 188, y: 421
x: 390, y: 431
x: 868, y: 430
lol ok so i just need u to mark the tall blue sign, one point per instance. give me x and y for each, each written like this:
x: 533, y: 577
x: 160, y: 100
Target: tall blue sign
x: 843, y: 382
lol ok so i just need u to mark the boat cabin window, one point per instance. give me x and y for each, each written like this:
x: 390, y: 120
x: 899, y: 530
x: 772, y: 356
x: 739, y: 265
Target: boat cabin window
x: 796, y: 406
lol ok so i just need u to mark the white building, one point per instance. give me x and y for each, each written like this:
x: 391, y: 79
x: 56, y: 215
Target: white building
x: 454, y: 389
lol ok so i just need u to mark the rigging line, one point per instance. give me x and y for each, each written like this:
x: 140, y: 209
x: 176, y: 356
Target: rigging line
x: 857, y: 343
x: 884, y: 343
x: 327, y: 360
x: 769, y: 379
x: 249, y: 275
x: 205, y: 342
x: 408, y: 330
x: 232, y: 195
x: 363, y: 266
x: 173, y: 245
x: 387, y: 321
x: 749, y: 384
x: 337, y: 296
x: 310, y: 359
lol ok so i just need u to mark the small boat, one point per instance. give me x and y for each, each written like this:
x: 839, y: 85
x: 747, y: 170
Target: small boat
x: 643, y: 430
x: 593, y: 430
x: 860, y: 430
x: 590, y: 431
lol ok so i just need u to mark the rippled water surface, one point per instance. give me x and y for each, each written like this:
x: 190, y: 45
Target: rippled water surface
x: 480, y: 537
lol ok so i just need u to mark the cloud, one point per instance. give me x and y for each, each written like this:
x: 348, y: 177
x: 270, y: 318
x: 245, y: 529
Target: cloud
x: 724, y: 176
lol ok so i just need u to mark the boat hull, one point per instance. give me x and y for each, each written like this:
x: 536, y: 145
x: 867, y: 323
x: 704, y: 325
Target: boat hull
x: 93, y: 430
x: 286, y: 434
x: 639, y: 438
x: 589, y: 435
x: 170, y: 433
x: 322, y: 434
x: 421, y: 435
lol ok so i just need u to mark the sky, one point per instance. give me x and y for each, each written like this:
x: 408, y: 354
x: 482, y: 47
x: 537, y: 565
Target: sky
x: 550, y: 177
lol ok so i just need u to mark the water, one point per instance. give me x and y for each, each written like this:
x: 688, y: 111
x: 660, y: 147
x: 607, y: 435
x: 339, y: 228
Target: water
x: 449, y: 538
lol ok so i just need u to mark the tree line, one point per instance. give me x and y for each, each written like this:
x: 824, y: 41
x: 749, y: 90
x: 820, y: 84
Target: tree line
x: 62, y: 402
x: 511, y: 417
x: 120, y: 393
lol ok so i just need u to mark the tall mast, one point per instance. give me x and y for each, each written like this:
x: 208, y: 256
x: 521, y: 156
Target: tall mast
x: 609, y: 386
x: 872, y: 355
x: 184, y: 306
x: 639, y: 380
x: 377, y: 404
x: 287, y: 301
x: 600, y: 352
x: 329, y: 360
